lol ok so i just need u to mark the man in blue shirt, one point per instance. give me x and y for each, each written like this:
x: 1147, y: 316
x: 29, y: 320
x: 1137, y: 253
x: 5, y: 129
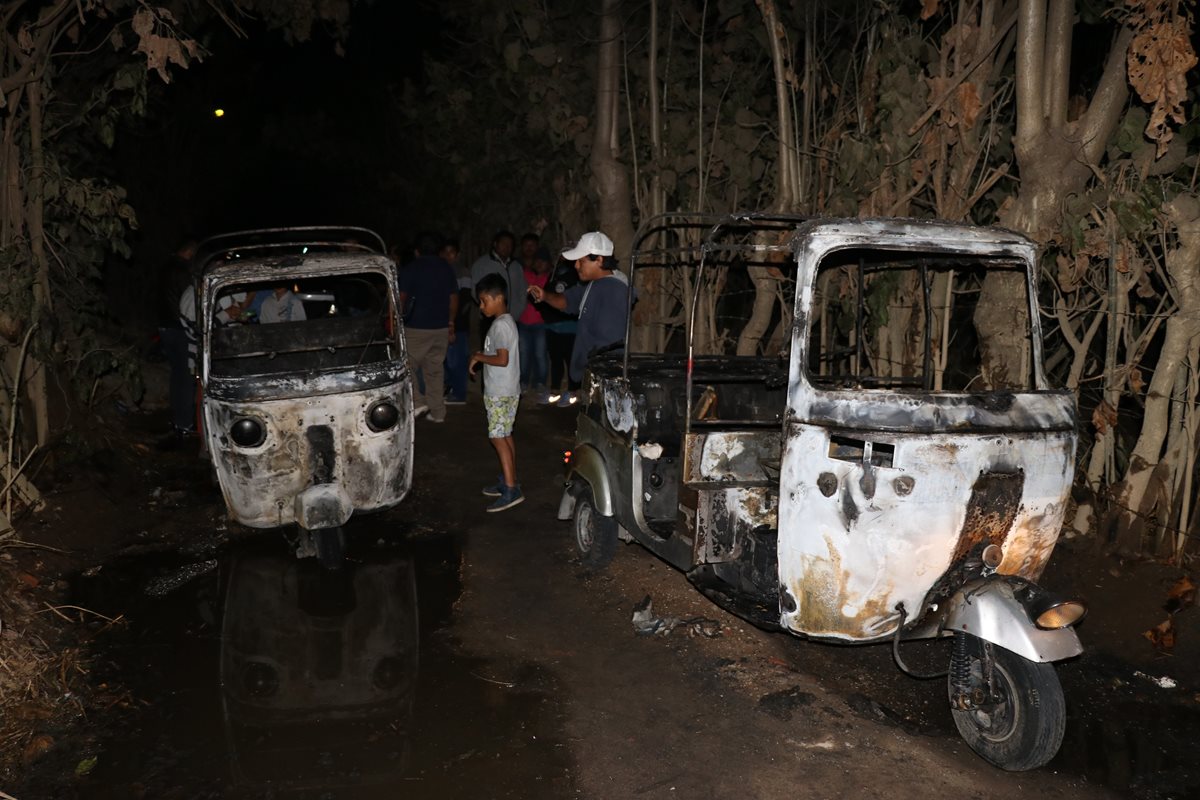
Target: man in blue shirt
x: 429, y: 288
x: 600, y: 300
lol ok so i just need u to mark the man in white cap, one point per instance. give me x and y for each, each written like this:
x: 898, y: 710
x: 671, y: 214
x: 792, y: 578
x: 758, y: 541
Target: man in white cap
x: 600, y: 300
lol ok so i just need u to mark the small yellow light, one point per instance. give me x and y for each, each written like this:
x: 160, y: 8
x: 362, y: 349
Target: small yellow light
x: 1061, y: 615
x: 218, y: 112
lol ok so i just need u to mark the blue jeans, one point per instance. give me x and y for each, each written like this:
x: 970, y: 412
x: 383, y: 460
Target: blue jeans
x: 534, y: 361
x: 457, y: 356
x: 182, y: 386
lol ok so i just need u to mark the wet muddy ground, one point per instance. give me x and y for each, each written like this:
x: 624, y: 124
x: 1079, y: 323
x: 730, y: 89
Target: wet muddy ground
x: 468, y: 654
x: 265, y: 673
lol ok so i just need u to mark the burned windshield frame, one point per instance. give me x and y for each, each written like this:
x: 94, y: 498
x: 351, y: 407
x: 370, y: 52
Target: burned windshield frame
x: 851, y: 339
x: 342, y: 336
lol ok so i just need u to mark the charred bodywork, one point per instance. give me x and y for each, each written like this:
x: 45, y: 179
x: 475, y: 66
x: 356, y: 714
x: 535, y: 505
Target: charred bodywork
x: 889, y: 495
x: 308, y: 420
x: 861, y: 483
x: 822, y: 490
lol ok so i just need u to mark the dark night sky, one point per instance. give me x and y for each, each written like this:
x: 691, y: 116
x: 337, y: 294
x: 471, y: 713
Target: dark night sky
x: 306, y: 137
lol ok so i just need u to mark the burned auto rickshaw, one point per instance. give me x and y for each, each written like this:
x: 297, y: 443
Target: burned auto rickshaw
x: 854, y: 480
x: 306, y: 396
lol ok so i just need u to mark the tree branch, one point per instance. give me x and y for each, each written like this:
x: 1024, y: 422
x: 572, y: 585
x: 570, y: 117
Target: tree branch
x: 1001, y: 32
x: 1057, y: 61
x: 1103, y: 113
x: 1031, y: 43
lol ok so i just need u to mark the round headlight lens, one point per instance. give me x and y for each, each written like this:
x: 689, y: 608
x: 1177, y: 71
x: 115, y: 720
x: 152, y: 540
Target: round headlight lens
x: 382, y: 416
x: 1061, y: 615
x: 247, y: 432
x: 388, y: 673
x: 260, y: 680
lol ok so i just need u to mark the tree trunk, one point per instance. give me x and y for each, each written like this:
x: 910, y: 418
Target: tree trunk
x: 1135, y: 495
x: 610, y: 174
x: 43, y: 303
x: 649, y: 333
x: 786, y: 182
x: 1054, y: 157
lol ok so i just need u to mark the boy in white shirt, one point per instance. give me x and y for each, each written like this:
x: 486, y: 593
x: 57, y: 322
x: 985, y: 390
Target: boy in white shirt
x: 502, y: 386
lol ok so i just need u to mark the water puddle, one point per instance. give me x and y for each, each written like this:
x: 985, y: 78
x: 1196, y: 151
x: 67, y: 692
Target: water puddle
x: 260, y: 675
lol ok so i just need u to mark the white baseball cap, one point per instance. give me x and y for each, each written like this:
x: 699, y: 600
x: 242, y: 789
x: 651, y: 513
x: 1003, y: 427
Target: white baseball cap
x: 590, y: 244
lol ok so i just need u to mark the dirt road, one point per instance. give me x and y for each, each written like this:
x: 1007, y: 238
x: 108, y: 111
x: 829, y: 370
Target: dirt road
x: 469, y: 654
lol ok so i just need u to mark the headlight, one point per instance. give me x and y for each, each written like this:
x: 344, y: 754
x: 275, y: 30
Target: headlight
x: 260, y: 680
x: 388, y: 673
x: 247, y: 432
x: 382, y: 416
x: 1060, y: 614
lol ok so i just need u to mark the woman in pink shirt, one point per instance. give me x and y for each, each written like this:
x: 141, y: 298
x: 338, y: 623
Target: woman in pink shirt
x: 532, y: 330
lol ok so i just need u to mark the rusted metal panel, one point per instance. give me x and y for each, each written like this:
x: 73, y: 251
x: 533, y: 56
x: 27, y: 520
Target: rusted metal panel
x: 261, y: 483
x: 736, y: 456
x: 848, y: 559
x: 727, y: 518
x: 859, y: 537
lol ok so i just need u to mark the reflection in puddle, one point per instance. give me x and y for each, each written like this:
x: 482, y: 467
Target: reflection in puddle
x: 318, y: 671
x: 270, y: 677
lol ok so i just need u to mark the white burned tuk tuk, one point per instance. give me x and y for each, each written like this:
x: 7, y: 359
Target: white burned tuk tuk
x: 307, y: 399
x: 854, y: 480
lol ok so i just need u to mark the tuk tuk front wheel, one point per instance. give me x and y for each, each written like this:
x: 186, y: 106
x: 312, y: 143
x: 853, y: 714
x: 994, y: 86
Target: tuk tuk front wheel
x: 595, y: 534
x: 1014, y: 714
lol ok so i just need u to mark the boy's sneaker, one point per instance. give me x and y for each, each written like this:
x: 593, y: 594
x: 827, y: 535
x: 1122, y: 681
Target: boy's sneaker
x: 509, y: 497
x: 419, y: 410
x: 543, y: 398
x: 496, y: 489
x: 565, y: 400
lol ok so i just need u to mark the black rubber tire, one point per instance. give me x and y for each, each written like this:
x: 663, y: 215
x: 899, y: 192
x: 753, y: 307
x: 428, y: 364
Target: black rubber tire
x: 331, y: 547
x: 1024, y: 730
x: 595, y: 535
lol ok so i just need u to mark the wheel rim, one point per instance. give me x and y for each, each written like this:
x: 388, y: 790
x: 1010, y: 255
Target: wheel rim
x: 1003, y: 718
x: 584, y: 535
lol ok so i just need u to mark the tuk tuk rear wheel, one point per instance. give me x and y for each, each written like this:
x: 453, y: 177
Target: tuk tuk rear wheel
x: 1020, y: 726
x: 595, y: 534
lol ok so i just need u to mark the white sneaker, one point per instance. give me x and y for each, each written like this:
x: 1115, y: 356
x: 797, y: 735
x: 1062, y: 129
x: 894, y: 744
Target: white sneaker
x: 419, y: 410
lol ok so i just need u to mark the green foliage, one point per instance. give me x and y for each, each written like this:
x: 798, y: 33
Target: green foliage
x: 1129, y: 136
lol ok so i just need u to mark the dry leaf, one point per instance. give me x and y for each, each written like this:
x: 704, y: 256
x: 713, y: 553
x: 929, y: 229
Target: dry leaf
x: 928, y: 8
x: 1182, y: 595
x: 1095, y: 243
x: 967, y: 103
x: 1157, y: 64
x: 1162, y: 635
x: 38, y: 746
x: 1136, y: 382
x: 1104, y: 417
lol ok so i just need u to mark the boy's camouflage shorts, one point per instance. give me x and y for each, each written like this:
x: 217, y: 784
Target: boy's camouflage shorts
x: 501, y: 413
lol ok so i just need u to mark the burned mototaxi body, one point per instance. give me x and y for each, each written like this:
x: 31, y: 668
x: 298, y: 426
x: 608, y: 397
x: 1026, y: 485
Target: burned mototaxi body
x: 861, y: 482
x: 888, y: 489
x: 307, y: 398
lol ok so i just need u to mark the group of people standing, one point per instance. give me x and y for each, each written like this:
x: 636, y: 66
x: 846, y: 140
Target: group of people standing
x: 541, y: 318
x: 438, y: 293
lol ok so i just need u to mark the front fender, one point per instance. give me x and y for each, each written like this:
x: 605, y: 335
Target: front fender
x: 588, y: 464
x: 990, y: 609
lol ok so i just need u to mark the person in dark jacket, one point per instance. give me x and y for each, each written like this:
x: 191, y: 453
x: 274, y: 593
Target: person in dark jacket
x: 429, y: 288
